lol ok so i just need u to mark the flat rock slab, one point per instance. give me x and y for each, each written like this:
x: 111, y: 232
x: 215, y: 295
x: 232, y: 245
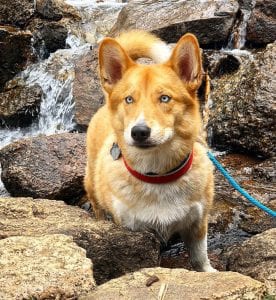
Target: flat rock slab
x: 113, y: 250
x: 211, y: 21
x: 179, y: 284
x: 50, y: 167
x: 256, y: 258
x: 47, y: 267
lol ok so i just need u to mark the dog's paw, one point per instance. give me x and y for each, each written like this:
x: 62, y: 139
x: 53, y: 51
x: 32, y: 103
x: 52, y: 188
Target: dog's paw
x: 209, y: 268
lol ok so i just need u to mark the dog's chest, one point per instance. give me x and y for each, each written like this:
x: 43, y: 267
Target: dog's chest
x: 156, y: 206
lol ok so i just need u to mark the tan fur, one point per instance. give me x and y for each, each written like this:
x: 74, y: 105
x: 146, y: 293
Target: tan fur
x: 182, y: 205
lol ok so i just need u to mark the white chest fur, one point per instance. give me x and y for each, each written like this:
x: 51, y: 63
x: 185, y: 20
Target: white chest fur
x: 159, y: 207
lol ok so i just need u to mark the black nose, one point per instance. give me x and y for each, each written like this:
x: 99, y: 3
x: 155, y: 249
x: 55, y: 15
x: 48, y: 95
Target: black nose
x: 140, y: 133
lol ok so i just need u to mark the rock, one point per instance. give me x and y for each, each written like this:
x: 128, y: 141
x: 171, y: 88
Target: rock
x: 161, y: 283
x: 242, y: 112
x: 266, y: 170
x: 19, y: 106
x: 218, y: 63
x: 211, y: 21
x: 256, y: 258
x: 261, y: 27
x: 47, y: 267
x: 55, y: 9
x: 15, y: 52
x: 50, y: 167
x: 49, y: 36
x: 87, y: 92
x: 16, y: 12
x: 113, y: 250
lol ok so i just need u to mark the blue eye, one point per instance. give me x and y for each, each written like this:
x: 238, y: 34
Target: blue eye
x: 129, y: 99
x: 165, y: 98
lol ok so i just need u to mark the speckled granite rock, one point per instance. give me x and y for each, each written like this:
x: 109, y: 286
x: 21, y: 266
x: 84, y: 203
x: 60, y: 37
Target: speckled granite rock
x: 46, y: 267
x: 113, y: 250
x: 178, y: 284
x: 256, y: 258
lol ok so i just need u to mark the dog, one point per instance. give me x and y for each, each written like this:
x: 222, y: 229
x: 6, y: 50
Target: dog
x: 146, y: 166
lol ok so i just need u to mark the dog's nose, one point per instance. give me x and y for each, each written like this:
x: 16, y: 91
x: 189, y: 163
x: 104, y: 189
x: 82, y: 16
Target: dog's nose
x: 140, y: 133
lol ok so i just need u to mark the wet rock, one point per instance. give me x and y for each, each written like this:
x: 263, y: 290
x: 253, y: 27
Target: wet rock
x: 49, y: 36
x: 113, y: 250
x: 87, y: 92
x: 175, y: 283
x: 16, y: 12
x: 242, y: 111
x: 55, y: 9
x: 256, y: 258
x: 261, y: 27
x: 49, y: 167
x: 19, y: 106
x: 47, y: 267
x: 211, y: 21
x: 15, y: 52
x: 218, y: 63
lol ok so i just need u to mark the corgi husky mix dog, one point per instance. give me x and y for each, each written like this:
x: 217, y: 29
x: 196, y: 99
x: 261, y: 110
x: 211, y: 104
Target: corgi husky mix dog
x: 146, y: 166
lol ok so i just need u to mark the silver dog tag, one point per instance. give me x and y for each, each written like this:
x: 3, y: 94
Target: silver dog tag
x: 115, y: 151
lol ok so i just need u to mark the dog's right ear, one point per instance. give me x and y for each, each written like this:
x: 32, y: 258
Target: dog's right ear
x: 113, y: 62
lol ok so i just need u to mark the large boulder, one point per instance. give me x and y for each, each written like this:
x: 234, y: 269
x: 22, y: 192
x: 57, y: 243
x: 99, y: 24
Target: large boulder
x: 211, y: 21
x: 48, y: 36
x: 49, y: 167
x: 46, y: 267
x: 256, y: 258
x: 242, y: 113
x: 87, y: 92
x: 178, y: 284
x: 19, y: 105
x: 113, y: 250
x: 16, y: 12
x: 261, y: 27
x: 15, y: 52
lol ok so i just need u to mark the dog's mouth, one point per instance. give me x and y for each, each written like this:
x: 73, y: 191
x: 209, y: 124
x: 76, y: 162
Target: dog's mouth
x: 145, y: 145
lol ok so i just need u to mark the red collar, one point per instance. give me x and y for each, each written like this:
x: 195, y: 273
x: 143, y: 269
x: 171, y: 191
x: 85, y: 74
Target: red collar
x: 168, y: 177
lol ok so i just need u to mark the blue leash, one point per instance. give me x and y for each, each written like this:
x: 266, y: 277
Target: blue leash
x: 236, y: 186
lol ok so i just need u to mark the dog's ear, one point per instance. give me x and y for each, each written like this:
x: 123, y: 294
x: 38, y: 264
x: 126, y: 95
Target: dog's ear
x: 186, y: 61
x: 113, y: 62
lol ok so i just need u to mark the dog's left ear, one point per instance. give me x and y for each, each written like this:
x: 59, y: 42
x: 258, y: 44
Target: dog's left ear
x: 186, y: 61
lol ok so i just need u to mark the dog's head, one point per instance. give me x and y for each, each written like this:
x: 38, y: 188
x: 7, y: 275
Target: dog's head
x: 153, y: 105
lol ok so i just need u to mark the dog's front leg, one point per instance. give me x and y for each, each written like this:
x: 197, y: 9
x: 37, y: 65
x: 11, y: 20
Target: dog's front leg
x: 196, y: 241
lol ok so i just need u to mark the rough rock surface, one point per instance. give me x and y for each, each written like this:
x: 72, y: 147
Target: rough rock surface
x: 211, y: 21
x: 55, y: 9
x: 113, y: 250
x: 49, y: 167
x: 87, y: 92
x: 256, y: 258
x: 179, y: 284
x: 261, y: 27
x: 46, y: 267
x: 243, y: 110
x: 49, y: 36
x: 16, y: 12
x: 15, y: 52
x: 19, y: 106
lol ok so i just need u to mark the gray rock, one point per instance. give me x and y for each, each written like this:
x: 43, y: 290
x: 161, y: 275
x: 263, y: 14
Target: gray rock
x: 16, y: 12
x: 87, y: 92
x: 113, y: 250
x: 46, y: 267
x: 211, y: 21
x: 243, y: 109
x: 49, y: 36
x: 178, y: 284
x: 256, y: 258
x: 49, y: 167
x: 19, y: 106
x: 261, y: 27
x: 15, y: 52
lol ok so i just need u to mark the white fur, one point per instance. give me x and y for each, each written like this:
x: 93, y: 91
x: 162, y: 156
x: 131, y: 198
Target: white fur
x: 160, y: 52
